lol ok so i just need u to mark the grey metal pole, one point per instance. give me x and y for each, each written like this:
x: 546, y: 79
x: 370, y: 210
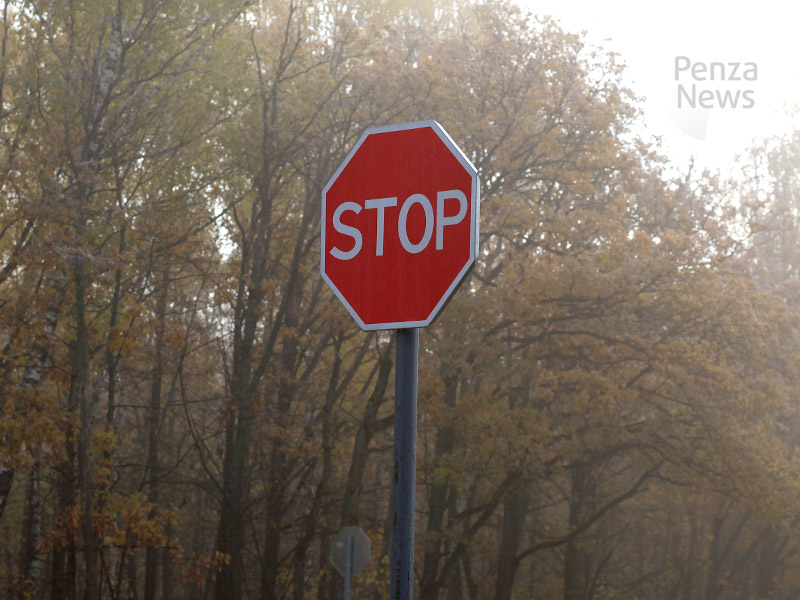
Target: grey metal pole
x: 405, y: 464
x: 348, y: 565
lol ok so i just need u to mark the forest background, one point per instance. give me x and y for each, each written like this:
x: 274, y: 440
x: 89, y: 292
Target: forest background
x: 608, y: 407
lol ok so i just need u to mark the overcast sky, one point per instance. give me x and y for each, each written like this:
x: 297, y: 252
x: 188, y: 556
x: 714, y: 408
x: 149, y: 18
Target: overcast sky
x: 650, y: 35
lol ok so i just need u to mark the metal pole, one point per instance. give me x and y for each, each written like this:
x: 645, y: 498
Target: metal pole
x: 405, y: 467
x: 348, y: 565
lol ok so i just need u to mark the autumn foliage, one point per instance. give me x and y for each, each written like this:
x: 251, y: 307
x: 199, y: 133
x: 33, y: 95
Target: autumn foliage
x: 607, y: 406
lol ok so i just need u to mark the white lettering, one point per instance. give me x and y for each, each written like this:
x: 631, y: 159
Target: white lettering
x: 380, y: 204
x: 346, y: 230
x: 402, y: 229
x: 441, y: 220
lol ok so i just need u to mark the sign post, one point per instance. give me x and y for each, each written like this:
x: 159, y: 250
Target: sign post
x: 348, y: 567
x: 350, y: 553
x: 399, y: 234
x: 405, y: 463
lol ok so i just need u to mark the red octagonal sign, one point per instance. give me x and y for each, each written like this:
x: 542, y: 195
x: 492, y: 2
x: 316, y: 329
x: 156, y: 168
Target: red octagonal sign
x: 399, y: 225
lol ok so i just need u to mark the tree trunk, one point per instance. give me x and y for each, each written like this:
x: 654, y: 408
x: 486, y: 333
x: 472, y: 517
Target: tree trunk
x: 152, y: 558
x: 576, y: 567
x: 515, y: 509
x: 81, y: 358
x: 166, y: 566
x: 32, y: 525
x: 6, y: 481
x: 32, y: 531
x: 767, y: 565
x: 34, y: 373
x: 369, y: 426
x: 279, y: 467
x: 367, y: 429
x: 64, y: 582
x: 245, y: 378
x: 230, y: 533
x: 437, y: 500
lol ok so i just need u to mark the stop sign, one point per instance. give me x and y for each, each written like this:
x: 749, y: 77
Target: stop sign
x: 399, y: 225
x: 360, y: 550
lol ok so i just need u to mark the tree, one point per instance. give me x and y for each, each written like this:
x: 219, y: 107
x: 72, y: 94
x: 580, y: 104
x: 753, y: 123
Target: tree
x: 606, y: 405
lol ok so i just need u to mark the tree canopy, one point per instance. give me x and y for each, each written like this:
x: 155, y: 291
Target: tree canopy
x: 607, y: 406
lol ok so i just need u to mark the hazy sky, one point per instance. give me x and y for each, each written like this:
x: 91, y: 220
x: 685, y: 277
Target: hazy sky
x: 761, y: 36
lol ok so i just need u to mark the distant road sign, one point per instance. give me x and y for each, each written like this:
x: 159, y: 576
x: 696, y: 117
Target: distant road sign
x: 360, y: 550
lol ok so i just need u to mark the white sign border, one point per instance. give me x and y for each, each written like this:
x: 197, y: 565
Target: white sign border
x: 474, y: 223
